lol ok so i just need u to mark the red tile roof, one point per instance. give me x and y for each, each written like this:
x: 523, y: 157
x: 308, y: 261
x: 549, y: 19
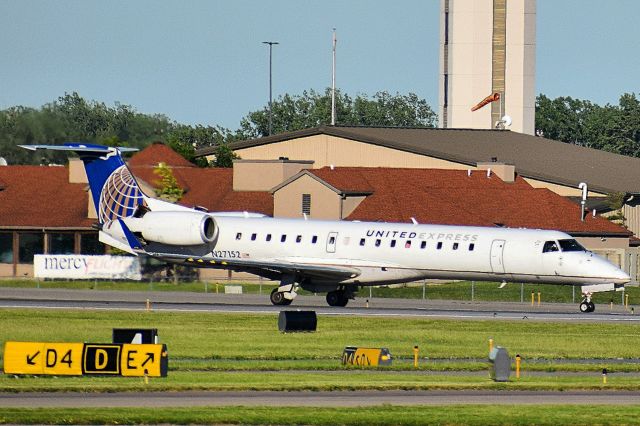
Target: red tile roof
x: 157, y: 153
x: 42, y: 197
x: 454, y: 198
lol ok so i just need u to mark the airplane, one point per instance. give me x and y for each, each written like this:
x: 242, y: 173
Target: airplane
x: 336, y: 257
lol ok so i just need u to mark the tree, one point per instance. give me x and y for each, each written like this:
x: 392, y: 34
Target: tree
x: 169, y: 189
x: 186, y: 139
x: 312, y: 109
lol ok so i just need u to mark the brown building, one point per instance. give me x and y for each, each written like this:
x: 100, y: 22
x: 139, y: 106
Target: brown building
x: 541, y: 162
x: 47, y: 209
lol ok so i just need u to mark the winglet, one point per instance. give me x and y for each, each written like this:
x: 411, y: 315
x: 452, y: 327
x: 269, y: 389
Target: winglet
x: 133, y: 241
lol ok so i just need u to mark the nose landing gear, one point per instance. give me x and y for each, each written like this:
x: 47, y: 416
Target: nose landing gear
x: 587, y: 305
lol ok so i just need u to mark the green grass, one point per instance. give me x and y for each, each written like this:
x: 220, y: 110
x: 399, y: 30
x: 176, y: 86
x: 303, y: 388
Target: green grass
x: 384, y: 415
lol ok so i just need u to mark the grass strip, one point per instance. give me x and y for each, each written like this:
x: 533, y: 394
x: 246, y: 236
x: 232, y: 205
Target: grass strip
x: 497, y: 415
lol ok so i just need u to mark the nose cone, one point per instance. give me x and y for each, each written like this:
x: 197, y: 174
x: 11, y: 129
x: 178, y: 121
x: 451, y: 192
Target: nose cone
x: 621, y: 277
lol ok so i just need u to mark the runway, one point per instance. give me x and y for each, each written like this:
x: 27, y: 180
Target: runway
x: 313, y: 399
x: 213, y: 302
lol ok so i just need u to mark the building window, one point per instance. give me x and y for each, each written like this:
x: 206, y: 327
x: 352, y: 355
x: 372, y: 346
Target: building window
x: 61, y: 243
x: 306, y: 203
x: 439, y: 245
x: 423, y: 244
x: 90, y: 244
x: 6, y: 247
x: 30, y: 244
x: 362, y: 241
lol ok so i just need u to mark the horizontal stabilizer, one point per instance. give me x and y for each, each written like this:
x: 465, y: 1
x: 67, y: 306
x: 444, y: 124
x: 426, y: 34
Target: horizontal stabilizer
x: 78, y: 147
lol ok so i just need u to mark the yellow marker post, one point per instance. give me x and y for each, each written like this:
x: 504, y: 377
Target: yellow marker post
x: 611, y: 305
x: 518, y: 360
x: 532, y: 297
x: 626, y: 301
x: 148, y: 305
x: 490, y: 344
x: 416, y: 351
x: 539, y: 298
x: 604, y: 376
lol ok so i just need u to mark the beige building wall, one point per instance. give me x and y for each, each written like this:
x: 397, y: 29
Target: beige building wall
x: 478, y: 57
x: 565, y: 191
x: 325, y: 203
x: 328, y: 150
x: 262, y: 174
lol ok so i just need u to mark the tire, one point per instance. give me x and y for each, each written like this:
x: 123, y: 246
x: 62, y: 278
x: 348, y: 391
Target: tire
x: 592, y: 307
x: 343, y: 300
x: 584, y: 307
x: 277, y: 297
x: 333, y: 298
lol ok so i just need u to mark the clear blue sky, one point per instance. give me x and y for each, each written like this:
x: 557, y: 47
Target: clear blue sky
x: 202, y: 62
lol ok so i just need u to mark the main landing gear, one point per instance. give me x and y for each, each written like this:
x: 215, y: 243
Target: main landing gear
x: 587, y: 305
x: 338, y: 298
x: 285, y: 293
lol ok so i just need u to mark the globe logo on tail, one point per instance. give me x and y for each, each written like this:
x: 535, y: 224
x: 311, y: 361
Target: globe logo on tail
x: 120, y: 195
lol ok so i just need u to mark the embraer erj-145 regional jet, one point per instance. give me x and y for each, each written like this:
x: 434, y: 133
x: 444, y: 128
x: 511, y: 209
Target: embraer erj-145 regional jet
x: 337, y: 257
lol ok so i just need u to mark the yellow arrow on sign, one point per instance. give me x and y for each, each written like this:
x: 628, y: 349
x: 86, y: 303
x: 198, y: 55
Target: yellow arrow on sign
x: 43, y: 358
x: 145, y: 359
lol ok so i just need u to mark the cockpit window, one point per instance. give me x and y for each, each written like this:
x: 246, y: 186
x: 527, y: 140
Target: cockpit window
x: 550, y: 246
x: 570, y: 245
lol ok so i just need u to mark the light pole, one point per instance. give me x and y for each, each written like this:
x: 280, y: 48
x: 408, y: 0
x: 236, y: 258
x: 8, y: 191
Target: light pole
x: 270, y: 43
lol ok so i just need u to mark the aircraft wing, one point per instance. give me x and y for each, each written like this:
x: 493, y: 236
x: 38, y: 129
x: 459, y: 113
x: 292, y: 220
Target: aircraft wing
x: 267, y: 268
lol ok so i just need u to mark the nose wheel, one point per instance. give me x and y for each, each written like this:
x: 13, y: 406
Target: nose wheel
x: 587, y: 305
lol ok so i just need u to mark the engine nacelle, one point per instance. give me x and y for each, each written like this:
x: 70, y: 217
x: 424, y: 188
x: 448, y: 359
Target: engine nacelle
x: 175, y: 228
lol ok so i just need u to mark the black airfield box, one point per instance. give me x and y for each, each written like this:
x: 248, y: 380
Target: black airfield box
x: 297, y: 321
x: 135, y: 335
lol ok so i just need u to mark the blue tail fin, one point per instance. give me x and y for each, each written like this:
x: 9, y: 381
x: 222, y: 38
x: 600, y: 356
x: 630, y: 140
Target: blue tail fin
x: 115, y: 192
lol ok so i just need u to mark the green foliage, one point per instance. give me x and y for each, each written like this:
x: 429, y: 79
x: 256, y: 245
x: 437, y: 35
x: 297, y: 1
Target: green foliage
x: 224, y: 156
x: 312, y: 109
x: 169, y: 189
x: 186, y: 139
x: 613, y: 128
x: 72, y: 119
x: 615, y: 201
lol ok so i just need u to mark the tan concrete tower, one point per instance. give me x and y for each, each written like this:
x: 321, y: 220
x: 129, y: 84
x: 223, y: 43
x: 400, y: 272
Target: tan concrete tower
x: 486, y: 47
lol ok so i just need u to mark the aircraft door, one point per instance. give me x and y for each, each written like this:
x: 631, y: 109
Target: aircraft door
x: 497, y: 250
x: 332, y: 239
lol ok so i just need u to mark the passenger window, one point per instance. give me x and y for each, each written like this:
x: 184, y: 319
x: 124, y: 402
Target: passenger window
x: 378, y: 242
x: 283, y: 238
x: 549, y: 246
x: 471, y: 246
x: 298, y: 238
x: 393, y: 243
x: 332, y: 240
x: 253, y: 237
x: 314, y: 239
x: 407, y: 244
x: 362, y: 241
x: 268, y: 237
x: 238, y: 235
x: 439, y: 245
x: 455, y: 246
x: 423, y: 244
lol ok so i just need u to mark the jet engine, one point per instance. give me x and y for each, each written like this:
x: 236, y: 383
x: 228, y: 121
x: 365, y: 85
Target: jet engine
x: 176, y: 228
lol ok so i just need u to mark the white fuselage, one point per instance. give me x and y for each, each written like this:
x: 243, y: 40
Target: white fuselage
x: 394, y: 252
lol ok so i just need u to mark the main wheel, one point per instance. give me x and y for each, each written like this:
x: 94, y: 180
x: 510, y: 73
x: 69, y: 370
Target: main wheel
x: 337, y: 298
x: 584, y: 307
x: 277, y: 297
x: 592, y: 307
